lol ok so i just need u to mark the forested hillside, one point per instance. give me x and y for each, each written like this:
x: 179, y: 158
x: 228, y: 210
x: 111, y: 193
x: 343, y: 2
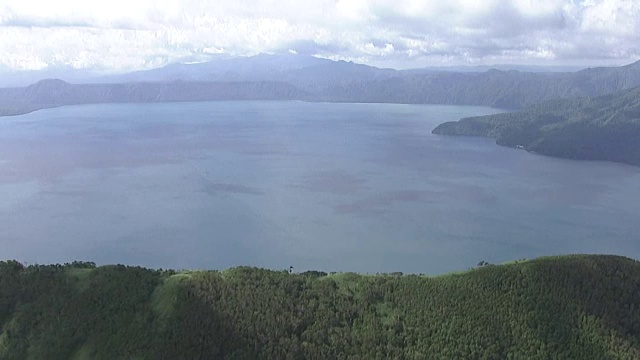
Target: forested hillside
x: 599, y: 128
x: 573, y: 307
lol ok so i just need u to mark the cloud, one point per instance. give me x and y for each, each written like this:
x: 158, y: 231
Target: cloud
x: 123, y: 35
x: 311, y: 47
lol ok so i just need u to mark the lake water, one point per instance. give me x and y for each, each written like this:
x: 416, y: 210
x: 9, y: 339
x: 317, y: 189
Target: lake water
x: 334, y: 187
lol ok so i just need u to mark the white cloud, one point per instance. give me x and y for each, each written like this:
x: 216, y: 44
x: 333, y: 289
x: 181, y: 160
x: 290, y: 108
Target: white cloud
x: 122, y: 35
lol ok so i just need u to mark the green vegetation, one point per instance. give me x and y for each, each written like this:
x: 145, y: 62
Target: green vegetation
x: 572, y: 307
x: 599, y: 128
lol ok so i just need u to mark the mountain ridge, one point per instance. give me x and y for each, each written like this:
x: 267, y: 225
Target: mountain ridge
x: 54, y: 92
x: 313, y: 79
x: 589, y: 128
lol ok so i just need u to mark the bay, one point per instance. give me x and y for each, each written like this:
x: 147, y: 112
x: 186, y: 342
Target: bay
x: 334, y: 187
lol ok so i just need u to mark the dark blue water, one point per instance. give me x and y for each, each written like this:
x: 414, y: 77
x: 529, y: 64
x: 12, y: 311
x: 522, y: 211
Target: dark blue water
x: 344, y: 187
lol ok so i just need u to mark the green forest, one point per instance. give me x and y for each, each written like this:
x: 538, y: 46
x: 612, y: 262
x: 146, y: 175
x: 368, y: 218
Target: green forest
x: 570, y: 307
x: 599, y: 128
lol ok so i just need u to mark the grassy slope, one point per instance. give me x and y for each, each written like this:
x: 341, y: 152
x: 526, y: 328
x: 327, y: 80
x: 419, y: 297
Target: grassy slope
x: 558, y: 307
x: 600, y: 128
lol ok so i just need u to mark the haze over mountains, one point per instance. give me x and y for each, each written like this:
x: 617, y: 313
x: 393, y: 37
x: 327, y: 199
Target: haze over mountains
x: 227, y: 68
x: 287, y: 77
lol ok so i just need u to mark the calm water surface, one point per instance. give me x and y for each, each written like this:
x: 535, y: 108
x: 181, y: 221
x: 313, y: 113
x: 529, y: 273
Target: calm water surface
x: 344, y: 187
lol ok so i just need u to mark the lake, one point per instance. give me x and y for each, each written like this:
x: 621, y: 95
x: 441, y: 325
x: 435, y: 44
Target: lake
x: 333, y: 187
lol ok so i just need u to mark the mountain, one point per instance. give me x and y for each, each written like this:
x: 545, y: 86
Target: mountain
x: 10, y: 78
x: 52, y: 93
x: 306, y: 72
x: 503, y: 67
x: 340, y: 81
x: 494, y: 88
x: 263, y: 67
x: 287, y: 77
x: 591, y: 128
x: 571, y: 307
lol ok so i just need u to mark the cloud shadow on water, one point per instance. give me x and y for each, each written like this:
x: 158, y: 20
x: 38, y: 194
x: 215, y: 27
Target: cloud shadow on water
x: 380, y: 202
x: 217, y: 188
x: 336, y: 182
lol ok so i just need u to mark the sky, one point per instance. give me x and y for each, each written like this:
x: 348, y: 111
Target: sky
x: 127, y: 35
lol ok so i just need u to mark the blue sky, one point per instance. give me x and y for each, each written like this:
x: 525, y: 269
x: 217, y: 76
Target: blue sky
x: 127, y: 35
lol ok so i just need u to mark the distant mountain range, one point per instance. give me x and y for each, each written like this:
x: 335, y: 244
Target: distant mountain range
x: 340, y: 81
x: 591, y: 128
x: 53, y: 93
x: 261, y: 67
x: 288, y: 77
